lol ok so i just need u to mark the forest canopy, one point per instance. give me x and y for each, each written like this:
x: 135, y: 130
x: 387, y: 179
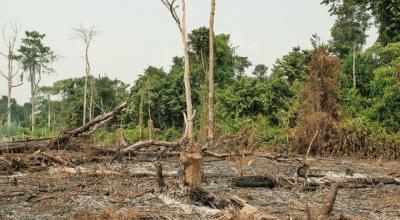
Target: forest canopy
x: 354, y: 91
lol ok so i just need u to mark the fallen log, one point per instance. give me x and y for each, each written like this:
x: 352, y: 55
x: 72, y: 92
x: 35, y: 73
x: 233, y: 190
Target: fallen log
x: 327, y: 205
x: 67, y: 135
x: 141, y: 144
x: 21, y: 146
x: 254, y: 181
x: 329, y: 200
x: 64, y: 138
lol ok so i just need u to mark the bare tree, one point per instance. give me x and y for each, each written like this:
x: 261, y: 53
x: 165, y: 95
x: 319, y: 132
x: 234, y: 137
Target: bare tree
x: 9, y: 39
x: 87, y: 35
x: 190, y: 159
x: 181, y: 23
x: 211, y: 78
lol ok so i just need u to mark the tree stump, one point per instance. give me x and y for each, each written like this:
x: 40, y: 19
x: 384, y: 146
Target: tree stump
x: 192, y: 169
x: 160, y: 177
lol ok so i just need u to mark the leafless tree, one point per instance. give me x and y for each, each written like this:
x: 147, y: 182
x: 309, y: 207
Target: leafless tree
x: 211, y: 78
x: 190, y: 159
x: 86, y: 35
x: 180, y: 21
x: 10, y: 34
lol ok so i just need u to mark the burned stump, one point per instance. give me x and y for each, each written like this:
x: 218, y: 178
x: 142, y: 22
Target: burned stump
x: 192, y: 169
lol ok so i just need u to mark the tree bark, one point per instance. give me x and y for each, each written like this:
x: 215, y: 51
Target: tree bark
x: 48, y: 111
x: 141, y: 117
x: 211, y: 78
x: 186, y: 77
x: 10, y: 44
x: 92, y: 95
x: 330, y: 200
x: 33, y: 81
x: 87, y: 72
x: 9, y: 82
x: 354, y: 66
x: 192, y: 170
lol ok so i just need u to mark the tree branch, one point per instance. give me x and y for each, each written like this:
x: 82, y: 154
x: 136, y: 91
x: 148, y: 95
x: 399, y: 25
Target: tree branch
x: 1, y: 72
x: 4, y: 55
x: 13, y: 86
x: 17, y: 71
x: 172, y: 9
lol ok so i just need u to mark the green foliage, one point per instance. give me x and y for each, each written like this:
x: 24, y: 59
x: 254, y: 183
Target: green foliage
x: 248, y: 98
x: 260, y: 71
x: 386, y: 109
x: 169, y: 134
x: 352, y: 102
x: 34, y: 54
x: 293, y: 66
x: 386, y: 14
x: 267, y: 108
x: 349, y: 31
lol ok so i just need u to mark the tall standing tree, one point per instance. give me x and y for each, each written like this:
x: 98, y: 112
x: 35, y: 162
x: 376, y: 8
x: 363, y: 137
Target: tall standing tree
x: 181, y: 23
x: 35, y: 57
x: 198, y: 43
x: 86, y: 35
x: 211, y: 78
x: 48, y: 92
x: 385, y: 14
x: 9, y: 40
x: 349, y: 32
x: 241, y: 64
x: 260, y: 71
x: 191, y: 157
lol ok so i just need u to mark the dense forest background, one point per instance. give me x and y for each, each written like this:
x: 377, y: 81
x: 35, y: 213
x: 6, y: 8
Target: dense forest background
x: 347, y: 93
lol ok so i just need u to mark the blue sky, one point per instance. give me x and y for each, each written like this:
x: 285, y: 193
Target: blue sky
x: 138, y: 33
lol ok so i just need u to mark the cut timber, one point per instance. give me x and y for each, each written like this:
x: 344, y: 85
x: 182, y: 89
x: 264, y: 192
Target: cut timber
x: 192, y: 169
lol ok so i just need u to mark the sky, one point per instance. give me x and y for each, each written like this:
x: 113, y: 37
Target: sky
x: 137, y: 33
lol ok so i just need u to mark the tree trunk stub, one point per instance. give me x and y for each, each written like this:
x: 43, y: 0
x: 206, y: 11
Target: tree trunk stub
x: 192, y: 169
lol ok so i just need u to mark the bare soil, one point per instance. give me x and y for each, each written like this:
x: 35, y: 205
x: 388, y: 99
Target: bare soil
x: 82, y: 185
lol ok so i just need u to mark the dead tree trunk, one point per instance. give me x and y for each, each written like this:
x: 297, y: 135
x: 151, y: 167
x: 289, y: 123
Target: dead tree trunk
x: 92, y: 95
x: 160, y: 177
x: 48, y: 111
x: 10, y: 44
x: 192, y: 170
x: 141, y: 117
x: 211, y: 79
x: 190, y: 158
x: 33, y: 109
x: 354, y: 66
x: 86, y: 35
x: 181, y: 23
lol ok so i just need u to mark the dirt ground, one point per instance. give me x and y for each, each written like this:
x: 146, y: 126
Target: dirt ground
x: 81, y: 185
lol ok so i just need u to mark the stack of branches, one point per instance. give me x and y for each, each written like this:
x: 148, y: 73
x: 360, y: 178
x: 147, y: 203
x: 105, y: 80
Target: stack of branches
x: 144, y: 148
x: 35, y: 162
